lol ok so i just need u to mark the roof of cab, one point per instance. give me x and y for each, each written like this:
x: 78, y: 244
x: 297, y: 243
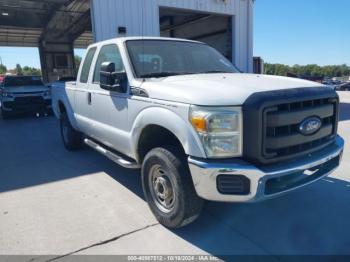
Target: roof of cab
x: 124, y: 39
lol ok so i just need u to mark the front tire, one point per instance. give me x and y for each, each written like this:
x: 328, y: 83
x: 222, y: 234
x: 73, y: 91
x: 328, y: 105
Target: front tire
x: 168, y: 188
x: 72, y: 139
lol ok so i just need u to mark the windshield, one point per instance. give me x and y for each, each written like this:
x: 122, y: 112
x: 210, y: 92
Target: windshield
x: 17, y: 81
x: 160, y: 58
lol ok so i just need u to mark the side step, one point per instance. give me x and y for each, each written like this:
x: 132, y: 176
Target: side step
x: 112, y: 156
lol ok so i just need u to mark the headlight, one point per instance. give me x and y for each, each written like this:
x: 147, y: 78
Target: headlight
x: 220, y: 130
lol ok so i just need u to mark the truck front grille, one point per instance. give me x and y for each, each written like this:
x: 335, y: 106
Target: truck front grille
x: 282, y: 136
x: 272, y: 120
x: 29, y: 100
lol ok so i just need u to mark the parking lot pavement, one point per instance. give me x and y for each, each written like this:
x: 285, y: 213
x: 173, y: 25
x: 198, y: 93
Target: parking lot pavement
x: 54, y: 202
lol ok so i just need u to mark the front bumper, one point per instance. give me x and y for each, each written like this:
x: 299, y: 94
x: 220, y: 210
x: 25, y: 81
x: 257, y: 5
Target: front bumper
x: 264, y: 182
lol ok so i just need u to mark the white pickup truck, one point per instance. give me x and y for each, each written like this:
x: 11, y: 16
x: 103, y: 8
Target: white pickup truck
x: 198, y: 128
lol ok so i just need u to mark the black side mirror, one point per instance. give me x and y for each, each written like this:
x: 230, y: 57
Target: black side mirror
x: 112, y: 80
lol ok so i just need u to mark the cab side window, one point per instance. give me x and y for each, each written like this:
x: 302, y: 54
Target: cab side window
x: 87, y: 65
x: 108, y: 53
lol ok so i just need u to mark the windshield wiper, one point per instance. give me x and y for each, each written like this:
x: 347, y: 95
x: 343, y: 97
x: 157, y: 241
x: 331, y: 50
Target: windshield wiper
x: 159, y: 74
x: 164, y: 74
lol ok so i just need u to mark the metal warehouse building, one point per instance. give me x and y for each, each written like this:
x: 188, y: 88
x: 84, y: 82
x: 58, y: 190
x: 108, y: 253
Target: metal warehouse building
x: 57, y: 26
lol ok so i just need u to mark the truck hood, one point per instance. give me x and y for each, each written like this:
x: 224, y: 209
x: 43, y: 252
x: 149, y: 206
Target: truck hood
x: 218, y: 89
x: 26, y: 89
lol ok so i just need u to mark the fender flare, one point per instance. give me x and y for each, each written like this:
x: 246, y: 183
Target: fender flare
x: 172, y: 122
x: 59, y: 95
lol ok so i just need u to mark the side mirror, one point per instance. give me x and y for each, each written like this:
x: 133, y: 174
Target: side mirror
x: 112, y: 80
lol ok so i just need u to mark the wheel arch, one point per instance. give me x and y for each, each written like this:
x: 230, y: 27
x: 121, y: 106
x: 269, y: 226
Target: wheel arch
x: 166, y: 128
x: 61, y: 108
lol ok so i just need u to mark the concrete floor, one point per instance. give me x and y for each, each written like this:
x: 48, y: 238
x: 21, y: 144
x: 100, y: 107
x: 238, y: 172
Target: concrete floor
x: 53, y: 202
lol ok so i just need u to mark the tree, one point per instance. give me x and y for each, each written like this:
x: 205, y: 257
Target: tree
x: 3, y: 69
x: 308, y: 70
x: 19, y: 70
x: 31, y: 71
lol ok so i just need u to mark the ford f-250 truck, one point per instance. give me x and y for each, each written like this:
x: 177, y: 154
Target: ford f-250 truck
x: 198, y: 129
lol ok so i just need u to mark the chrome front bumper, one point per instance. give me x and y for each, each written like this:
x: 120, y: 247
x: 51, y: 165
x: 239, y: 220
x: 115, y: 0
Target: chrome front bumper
x: 302, y: 172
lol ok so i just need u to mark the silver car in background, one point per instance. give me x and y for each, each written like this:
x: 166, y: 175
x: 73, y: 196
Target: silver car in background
x: 344, y: 87
x: 24, y: 94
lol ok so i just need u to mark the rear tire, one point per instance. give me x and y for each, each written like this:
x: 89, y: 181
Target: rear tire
x: 72, y: 139
x: 168, y: 188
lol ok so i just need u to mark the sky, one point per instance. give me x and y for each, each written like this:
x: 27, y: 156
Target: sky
x: 285, y: 31
x: 25, y: 56
x: 302, y: 31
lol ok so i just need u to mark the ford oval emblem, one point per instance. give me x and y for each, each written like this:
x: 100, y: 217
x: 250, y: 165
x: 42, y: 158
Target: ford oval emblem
x: 310, y: 126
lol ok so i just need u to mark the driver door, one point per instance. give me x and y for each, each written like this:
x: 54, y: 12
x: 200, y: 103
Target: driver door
x: 109, y: 109
x: 82, y: 92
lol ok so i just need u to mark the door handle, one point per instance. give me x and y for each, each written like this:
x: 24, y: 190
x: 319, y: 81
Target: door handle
x: 89, y: 98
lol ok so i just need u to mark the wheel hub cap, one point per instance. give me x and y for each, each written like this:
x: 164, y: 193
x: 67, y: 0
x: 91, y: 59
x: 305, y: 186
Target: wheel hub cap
x: 162, y: 190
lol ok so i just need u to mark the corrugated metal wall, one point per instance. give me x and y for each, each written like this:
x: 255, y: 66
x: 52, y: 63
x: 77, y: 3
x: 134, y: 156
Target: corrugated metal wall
x: 212, y: 6
x: 141, y: 17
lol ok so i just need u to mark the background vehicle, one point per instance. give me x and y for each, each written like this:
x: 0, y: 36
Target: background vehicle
x: 334, y: 84
x: 197, y: 127
x: 344, y: 87
x: 24, y: 94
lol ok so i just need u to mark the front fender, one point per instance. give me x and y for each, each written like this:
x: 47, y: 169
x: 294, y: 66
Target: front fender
x: 171, y: 121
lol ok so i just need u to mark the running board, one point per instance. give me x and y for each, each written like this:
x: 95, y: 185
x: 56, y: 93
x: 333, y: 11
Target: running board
x: 112, y: 156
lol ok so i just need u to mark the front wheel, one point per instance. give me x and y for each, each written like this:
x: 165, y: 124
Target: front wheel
x: 168, y: 188
x: 72, y: 139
